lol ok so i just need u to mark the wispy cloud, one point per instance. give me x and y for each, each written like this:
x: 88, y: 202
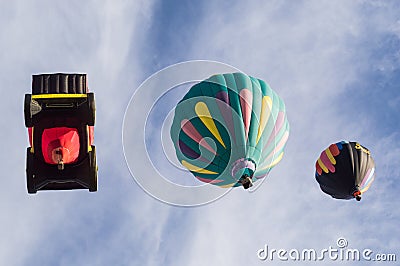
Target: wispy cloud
x: 311, y: 53
x: 317, y: 55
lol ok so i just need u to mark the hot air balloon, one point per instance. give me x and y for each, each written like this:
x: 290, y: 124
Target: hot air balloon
x: 60, y: 117
x: 345, y: 170
x: 230, y: 130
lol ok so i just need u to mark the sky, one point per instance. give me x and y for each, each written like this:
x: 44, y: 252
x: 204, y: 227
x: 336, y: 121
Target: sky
x: 336, y: 64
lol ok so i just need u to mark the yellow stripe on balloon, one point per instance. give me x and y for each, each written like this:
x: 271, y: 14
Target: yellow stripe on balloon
x: 203, y: 113
x: 330, y: 156
x: 266, y: 105
x: 58, y: 95
x: 276, y: 161
x: 366, y: 188
x: 196, y: 169
x: 228, y: 186
x: 33, y: 146
x: 322, y: 165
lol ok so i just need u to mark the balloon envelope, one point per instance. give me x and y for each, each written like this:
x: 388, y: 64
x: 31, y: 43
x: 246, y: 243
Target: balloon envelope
x: 62, y: 142
x: 230, y: 126
x: 345, y: 170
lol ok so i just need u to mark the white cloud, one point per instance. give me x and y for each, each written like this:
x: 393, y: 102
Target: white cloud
x: 97, y: 38
x: 309, y: 52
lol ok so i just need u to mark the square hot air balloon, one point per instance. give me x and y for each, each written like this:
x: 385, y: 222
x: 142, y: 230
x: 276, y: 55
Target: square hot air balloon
x: 60, y: 117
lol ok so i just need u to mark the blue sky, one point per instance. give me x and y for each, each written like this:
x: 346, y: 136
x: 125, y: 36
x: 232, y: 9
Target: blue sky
x: 336, y: 64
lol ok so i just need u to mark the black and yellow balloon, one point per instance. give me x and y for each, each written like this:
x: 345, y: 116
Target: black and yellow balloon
x: 345, y: 170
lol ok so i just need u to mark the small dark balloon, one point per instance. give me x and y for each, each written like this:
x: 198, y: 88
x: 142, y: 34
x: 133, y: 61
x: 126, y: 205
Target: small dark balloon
x: 345, y: 170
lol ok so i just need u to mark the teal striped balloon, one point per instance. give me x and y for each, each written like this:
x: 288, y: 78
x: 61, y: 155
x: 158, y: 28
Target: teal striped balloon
x: 230, y: 127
